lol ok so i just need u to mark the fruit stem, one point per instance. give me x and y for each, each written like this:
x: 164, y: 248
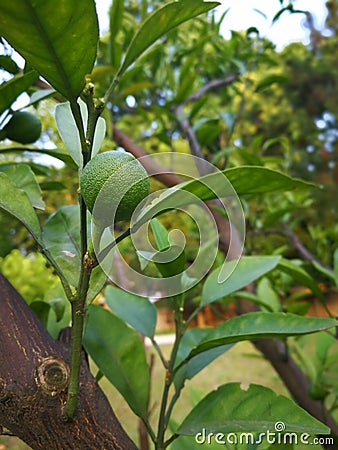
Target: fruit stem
x: 94, y: 112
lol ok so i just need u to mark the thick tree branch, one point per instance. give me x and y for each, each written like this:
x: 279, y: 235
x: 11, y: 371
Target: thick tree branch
x: 34, y: 375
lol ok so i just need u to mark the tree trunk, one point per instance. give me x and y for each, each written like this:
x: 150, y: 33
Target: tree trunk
x: 34, y: 376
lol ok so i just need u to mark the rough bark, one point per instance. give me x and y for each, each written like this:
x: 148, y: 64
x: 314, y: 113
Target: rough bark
x: 33, y: 386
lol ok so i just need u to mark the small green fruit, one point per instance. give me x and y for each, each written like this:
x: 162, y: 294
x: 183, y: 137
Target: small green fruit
x: 23, y: 127
x: 121, y: 181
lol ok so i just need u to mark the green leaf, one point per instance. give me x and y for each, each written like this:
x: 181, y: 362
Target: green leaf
x: 269, y: 80
x: 10, y: 90
x: 69, y: 133
x: 62, y: 155
x: 15, y: 201
x: 170, y: 262
x: 8, y: 64
x: 300, y: 275
x: 189, y: 442
x: 190, y: 340
x: 118, y: 352
x: 52, y: 186
x: 39, y: 95
x: 325, y: 271
x: 60, y: 312
x: 258, y: 180
x: 267, y: 296
x: 41, y: 310
x: 58, y: 40
x: 243, y: 272
x: 23, y: 176
x: 61, y: 238
x: 161, y: 234
x: 96, y: 283
x: 99, y: 135
x: 335, y: 265
x: 244, y: 180
x: 160, y: 22
x: 115, y: 22
x: 137, y: 311
x: 170, y: 259
x: 259, y: 325
x: 231, y: 409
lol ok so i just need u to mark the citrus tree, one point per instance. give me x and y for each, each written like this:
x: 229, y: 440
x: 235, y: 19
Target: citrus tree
x: 48, y: 397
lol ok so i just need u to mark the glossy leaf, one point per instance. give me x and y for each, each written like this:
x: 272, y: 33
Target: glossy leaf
x: 39, y: 95
x: 161, y: 234
x: 245, y: 180
x: 115, y: 22
x: 58, y: 40
x: 41, y: 310
x: 335, y: 265
x: 8, y: 64
x: 96, y: 283
x: 69, y: 132
x: 62, y: 155
x: 118, y: 352
x: 189, y: 442
x: 10, y: 90
x: 160, y: 22
x: 60, y: 311
x: 16, y: 202
x: 267, y: 296
x: 61, y: 238
x: 137, y: 311
x: 190, y: 340
x: 300, y: 275
x: 23, y: 176
x: 259, y: 180
x: 326, y: 271
x: 231, y: 409
x: 259, y: 325
x: 248, y: 269
x: 100, y: 133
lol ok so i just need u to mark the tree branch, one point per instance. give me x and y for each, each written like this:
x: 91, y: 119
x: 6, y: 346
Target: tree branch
x: 34, y: 376
x: 184, y: 123
x: 210, y: 86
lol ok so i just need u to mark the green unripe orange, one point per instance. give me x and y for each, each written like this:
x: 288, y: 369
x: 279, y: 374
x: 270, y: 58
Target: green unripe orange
x: 118, y: 181
x: 23, y: 127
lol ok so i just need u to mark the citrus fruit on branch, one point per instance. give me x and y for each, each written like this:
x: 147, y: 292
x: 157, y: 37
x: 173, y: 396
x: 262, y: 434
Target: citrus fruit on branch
x: 23, y: 127
x: 114, y: 182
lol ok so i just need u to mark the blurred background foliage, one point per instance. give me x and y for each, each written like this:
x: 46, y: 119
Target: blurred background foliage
x: 246, y: 103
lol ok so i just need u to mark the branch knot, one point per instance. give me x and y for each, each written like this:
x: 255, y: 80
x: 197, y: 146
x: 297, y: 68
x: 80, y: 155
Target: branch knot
x: 52, y: 375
